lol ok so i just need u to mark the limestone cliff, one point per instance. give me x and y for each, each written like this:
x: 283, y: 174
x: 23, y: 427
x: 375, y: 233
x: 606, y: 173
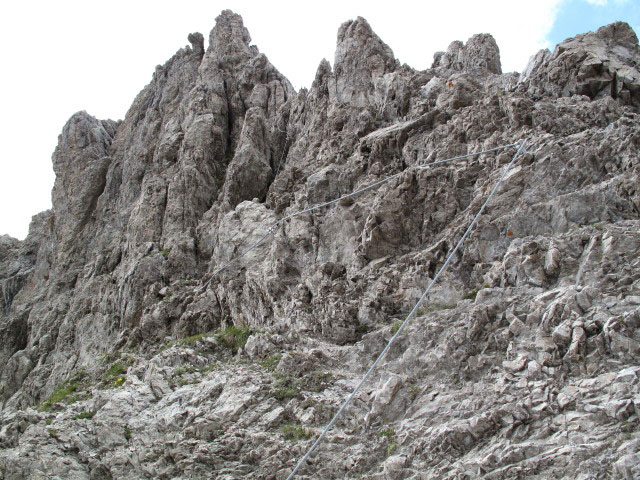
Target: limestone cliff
x: 119, y: 360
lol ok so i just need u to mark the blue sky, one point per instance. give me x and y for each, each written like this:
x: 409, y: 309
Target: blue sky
x: 579, y: 16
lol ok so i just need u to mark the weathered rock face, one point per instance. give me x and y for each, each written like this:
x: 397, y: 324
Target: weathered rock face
x: 604, y: 64
x: 523, y: 364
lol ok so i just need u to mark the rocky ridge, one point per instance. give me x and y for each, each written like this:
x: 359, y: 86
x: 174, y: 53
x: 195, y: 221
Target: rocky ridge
x: 117, y: 364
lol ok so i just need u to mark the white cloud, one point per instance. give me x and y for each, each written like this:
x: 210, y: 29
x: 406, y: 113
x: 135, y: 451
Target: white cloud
x: 64, y: 56
x: 603, y: 3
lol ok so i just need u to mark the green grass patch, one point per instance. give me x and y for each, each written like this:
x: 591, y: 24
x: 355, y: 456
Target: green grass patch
x: 473, y: 293
x: 115, y: 370
x: 181, y: 382
x: 127, y: 433
x: 68, y: 392
x: 178, y: 372
x: 362, y: 329
x: 285, y: 388
x: 234, y: 338
x: 388, y: 433
x: 192, y: 340
x: 294, y: 433
x: 210, y: 368
x: 395, y: 327
x: 87, y: 414
x: 165, y: 253
x: 271, y: 362
x: 108, y: 358
x: 414, y: 391
x: 316, y: 381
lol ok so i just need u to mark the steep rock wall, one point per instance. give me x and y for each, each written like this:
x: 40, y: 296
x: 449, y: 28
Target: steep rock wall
x: 522, y: 365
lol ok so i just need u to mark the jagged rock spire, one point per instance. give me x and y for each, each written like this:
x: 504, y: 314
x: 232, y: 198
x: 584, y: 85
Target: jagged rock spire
x: 361, y: 58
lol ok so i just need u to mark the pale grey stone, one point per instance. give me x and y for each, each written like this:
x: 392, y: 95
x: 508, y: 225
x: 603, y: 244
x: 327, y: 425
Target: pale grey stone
x: 521, y: 363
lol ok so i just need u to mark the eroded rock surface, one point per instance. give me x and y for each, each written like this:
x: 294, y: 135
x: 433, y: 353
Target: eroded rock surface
x: 120, y: 359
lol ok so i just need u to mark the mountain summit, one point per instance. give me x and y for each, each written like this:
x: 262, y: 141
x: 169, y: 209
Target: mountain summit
x: 164, y: 319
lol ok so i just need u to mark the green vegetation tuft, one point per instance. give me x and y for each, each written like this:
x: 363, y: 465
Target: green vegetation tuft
x: 210, y: 368
x: 271, y: 362
x: 115, y: 370
x: 414, y: 391
x: 192, y: 340
x: 108, y: 358
x: 67, y: 392
x: 165, y: 253
x: 316, y: 381
x: 388, y: 433
x: 234, y: 338
x: 473, y: 293
x: 87, y: 414
x: 127, y: 433
x: 395, y: 327
x: 362, y: 329
x: 286, y: 387
x: 53, y: 432
x: 294, y: 433
x: 178, y: 372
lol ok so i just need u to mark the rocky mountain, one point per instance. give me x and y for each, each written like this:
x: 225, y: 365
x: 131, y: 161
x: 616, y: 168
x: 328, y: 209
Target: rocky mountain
x: 123, y: 357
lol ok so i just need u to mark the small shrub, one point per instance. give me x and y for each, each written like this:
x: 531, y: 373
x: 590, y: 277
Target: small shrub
x: 165, y: 253
x: 87, y: 414
x: 391, y: 448
x: 294, y: 433
x: 233, y: 338
x: 127, y: 433
x: 271, y: 362
x: 48, y: 421
x: 53, y: 432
